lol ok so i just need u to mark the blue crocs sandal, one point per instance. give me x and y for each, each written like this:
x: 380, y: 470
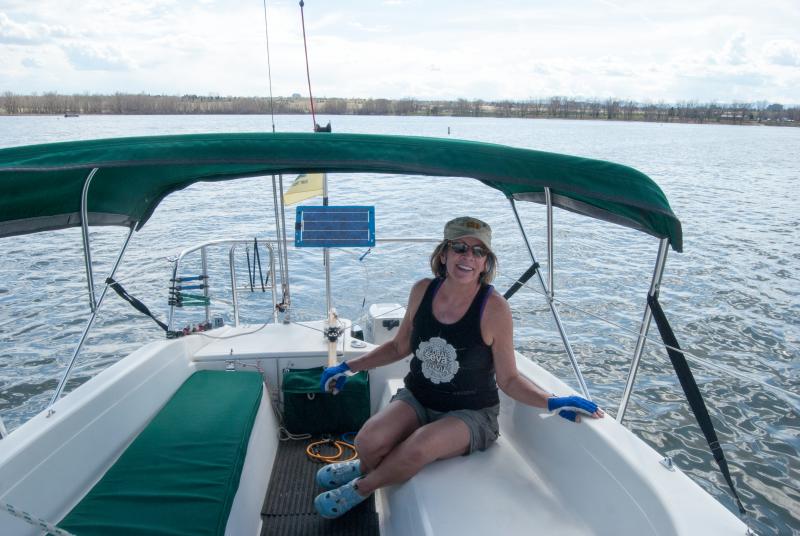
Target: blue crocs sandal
x: 337, y: 502
x: 337, y: 474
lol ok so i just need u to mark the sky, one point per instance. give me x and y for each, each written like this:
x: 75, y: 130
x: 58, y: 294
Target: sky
x: 666, y: 51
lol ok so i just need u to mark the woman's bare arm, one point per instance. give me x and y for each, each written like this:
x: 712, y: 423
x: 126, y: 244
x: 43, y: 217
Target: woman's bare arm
x: 497, y: 328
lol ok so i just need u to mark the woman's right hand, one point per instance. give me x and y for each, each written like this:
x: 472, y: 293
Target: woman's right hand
x: 333, y: 378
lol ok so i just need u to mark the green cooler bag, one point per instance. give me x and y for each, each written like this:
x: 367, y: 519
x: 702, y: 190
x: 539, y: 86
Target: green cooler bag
x: 306, y: 410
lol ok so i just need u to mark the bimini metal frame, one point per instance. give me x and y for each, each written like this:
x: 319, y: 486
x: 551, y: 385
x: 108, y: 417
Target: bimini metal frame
x: 549, y: 292
x: 655, y: 285
x: 95, y: 305
x: 87, y: 250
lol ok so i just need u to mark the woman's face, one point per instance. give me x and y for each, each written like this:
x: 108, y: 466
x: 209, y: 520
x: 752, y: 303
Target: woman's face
x: 464, y: 267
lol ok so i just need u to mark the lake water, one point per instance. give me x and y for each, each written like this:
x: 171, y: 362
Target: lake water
x: 733, y: 296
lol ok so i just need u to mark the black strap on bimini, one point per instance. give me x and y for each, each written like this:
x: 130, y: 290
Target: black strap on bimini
x: 139, y: 306
x: 522, y: 280
x: 692, y: 393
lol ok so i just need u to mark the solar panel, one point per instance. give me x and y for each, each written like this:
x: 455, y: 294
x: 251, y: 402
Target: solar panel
x: 334, y: 226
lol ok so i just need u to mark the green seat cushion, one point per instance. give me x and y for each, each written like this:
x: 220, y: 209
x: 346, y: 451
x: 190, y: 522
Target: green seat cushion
x: 180, y: 475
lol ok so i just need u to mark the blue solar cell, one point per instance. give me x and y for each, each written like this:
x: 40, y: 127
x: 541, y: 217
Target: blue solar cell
x: 335, y: 226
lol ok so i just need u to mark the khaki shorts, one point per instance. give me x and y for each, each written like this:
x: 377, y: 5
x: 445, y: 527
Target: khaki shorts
x: 482, y: 423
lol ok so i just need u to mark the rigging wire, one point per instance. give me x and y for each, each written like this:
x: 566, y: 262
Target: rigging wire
x: 631, y: 333
x: 308, y: 72
x: 269, y: 68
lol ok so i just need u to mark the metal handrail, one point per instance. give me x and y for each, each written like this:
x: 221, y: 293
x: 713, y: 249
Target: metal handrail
x: 204, y: 271
x: 235, y: 289
x: 223, y: 242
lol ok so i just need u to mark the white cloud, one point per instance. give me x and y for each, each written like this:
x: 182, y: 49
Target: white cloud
x: 32, y: 63
x: 15, y: 33
x: 446, y: 49
x: 12, y: 32
x: 91, y: 57
x: 783, y: 52
x: 735, y: 50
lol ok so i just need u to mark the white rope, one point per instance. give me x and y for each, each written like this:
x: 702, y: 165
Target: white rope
x: 35, y: 521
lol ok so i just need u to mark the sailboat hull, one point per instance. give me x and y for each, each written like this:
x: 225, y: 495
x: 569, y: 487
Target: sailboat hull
x: 544, y: 473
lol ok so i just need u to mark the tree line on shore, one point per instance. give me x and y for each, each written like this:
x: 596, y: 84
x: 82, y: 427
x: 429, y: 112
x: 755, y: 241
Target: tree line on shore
x: 52, y: 103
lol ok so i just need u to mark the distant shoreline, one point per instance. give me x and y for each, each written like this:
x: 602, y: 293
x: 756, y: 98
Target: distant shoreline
x: 673, y: 121
x: 51, y: 104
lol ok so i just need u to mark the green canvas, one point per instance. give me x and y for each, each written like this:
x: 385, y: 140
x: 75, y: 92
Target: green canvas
x: 180, y: 475
x: 41, y: 185
x: 308, y: 411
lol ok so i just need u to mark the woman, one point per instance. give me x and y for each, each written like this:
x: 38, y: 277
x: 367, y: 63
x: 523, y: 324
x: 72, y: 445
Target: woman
x: 460, y: 332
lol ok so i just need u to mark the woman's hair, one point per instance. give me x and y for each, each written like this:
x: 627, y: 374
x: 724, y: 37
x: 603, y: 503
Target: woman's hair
x: 440, y: 270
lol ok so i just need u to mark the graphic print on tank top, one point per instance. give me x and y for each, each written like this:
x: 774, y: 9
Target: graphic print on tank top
x: 439, y: 360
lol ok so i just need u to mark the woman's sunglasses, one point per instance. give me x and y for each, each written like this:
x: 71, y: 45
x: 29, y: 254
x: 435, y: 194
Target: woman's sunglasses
x: 461, y: 248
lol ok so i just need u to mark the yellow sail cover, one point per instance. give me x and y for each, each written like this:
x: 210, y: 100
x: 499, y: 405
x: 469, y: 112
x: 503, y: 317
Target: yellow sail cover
x: 304, y: 187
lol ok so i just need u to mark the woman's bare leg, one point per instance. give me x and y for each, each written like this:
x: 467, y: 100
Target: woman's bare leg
x: 383, y: 431
x: 442, y: 439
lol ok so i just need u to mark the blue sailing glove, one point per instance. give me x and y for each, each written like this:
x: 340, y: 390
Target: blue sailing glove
x: 333, y: 378
x: 569, y: 406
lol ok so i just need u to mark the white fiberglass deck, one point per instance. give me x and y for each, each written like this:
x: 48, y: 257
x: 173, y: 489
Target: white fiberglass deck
x: 550, y: 476
x: 491, y: 492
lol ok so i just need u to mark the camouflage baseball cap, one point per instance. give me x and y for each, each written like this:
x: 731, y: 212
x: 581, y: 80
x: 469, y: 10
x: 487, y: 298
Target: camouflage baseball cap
x: 466, y: 226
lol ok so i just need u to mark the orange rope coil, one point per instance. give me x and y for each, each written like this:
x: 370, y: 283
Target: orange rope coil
x: 313, y: 451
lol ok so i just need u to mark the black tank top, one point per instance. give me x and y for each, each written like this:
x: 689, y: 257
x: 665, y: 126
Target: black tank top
x: 452, y: 367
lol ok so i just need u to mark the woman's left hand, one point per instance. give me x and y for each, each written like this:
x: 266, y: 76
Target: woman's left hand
x: 570, y: 407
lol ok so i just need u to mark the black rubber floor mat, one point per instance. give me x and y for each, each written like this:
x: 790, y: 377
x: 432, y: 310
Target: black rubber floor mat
x: 289, y: 506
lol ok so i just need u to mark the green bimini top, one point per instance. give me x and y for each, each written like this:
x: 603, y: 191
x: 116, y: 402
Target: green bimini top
x: 41, y: 185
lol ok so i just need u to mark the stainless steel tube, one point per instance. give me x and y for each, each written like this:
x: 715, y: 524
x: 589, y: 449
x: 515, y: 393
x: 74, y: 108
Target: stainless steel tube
x: 551, y: 303
x: 224, y: 242
x: 204, y: 265
x: 272, y: 278
x: 550, y: 277
x: 326, y: 256
x: 175, y: 268
x: 87, y: 250
x: 68, y: 371
x: 278, y: 226
x: 286, y: 286
x: 234, y: 291
x: 655, y: 284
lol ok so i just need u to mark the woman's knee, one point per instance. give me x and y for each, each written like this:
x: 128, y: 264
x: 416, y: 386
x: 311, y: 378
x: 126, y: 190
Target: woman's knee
x: 439, y: 440
x: 371, y: 444
x: 414, y: 453
x: 383, y: 431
